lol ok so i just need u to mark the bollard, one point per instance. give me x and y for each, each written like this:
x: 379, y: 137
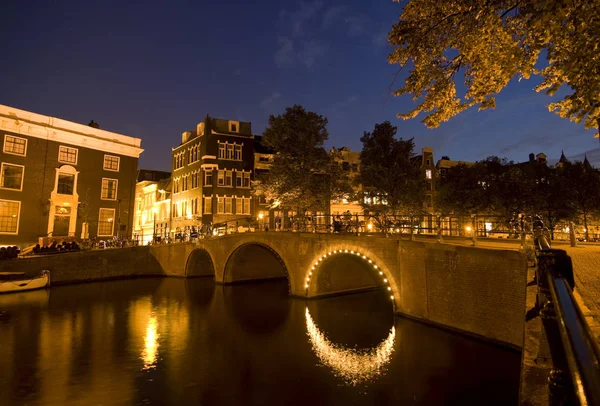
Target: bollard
x: 572, y: 237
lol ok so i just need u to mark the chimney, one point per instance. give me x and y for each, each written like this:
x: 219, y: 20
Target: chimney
x: 185, y: 136
x: 200, y: 129
x: 531, y: 157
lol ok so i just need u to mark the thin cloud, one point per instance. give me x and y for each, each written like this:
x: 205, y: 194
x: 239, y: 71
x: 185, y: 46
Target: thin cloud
x: 296, y: 19
x: 270, y: 102
x: 331, y: 16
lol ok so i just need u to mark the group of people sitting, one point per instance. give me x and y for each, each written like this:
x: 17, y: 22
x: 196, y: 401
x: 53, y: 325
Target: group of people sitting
x: 55, y: 248
x: 9, y: 252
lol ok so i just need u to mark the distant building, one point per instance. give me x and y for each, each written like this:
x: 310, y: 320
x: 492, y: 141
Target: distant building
x: 426, y: 163
x: 263, y: 158
x: 152, y: 206
x: 62, y: 179
x: 349, y: 161
x: 444, y: 164
x: 212, y: 168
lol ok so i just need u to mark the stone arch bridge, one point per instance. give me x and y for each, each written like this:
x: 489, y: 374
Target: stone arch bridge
x: 477, y: 290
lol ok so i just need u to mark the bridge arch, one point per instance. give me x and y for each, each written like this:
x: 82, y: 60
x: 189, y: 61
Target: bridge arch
x: 199, y: 263
x: 356, y: 260
x: 255, y: 261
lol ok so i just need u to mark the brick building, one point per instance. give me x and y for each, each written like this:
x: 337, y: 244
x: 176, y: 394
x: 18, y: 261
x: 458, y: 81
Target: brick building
x: 211, y: 173
x: 63, y: 179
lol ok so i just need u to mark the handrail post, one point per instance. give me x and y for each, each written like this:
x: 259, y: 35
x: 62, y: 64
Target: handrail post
x: 412, y: 228
x: 474, y: 226
x: 440, y: 236
x: 560, y: 388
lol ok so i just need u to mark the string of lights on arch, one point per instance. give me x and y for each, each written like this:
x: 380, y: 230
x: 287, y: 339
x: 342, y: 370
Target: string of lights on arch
x: 351, y: 252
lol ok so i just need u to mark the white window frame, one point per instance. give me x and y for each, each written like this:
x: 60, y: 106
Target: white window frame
x: 220, y: 202
x: 112, y: 232
x: 246, y: 176
x: 118, y: 163
x: 18, y: 217
x: 237, y: 149
x: 68, y: 162
x: 222, y: 150
x: 246, y: 201
x: 2, y: 177
x: 208, y: 172
x: 16, y: 138
x: 221, y: 177
x: 239, y: 176
x: 237, y: 126
x: 229, y: 202
x: 116, y: 189
x: 229, y: 175
x: 230, y: 154
x: 239, y: 205
x: 207, y: 205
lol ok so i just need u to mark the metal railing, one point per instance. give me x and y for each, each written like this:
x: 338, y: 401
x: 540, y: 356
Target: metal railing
x: 574, y: 378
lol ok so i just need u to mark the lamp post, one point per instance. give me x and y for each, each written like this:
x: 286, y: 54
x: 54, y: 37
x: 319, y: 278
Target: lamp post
x: 154, y: 211
x: 260, y: 217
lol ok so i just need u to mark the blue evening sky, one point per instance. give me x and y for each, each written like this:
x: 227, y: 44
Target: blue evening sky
x: 154, y: 69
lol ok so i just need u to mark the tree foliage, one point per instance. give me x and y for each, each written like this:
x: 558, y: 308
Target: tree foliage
x: 491, y: 42
x: 392, y: 181
x: 303, y: 175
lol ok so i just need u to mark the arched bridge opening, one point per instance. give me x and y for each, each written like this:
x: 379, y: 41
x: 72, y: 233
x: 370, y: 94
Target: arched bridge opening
x: 199, y: 263
x: 254, y: 262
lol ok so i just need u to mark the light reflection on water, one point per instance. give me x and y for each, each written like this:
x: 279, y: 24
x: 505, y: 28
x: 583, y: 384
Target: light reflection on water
x: 354, y: 366
x: 172, y: 341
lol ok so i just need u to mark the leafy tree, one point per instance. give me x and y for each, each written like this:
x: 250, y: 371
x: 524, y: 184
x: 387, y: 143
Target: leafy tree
x: 491, y: 42
x: 460, y: 191
x: 303, y: 176
x: 392, y: 181
x: 584, y: 190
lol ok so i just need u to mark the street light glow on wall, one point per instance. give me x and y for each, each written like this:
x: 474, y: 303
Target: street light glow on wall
x: 368, y: 261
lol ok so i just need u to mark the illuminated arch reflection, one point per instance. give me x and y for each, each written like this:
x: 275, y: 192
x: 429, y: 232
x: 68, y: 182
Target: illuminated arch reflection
x: 352, y: 365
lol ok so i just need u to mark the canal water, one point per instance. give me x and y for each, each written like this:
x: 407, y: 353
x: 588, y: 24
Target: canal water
x: 172, y: 341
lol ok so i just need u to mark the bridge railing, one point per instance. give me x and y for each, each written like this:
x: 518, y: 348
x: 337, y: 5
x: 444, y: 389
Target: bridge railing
x: 574, y: 378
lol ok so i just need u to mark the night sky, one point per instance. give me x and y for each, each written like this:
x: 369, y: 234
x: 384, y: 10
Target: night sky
x: 154, y: 69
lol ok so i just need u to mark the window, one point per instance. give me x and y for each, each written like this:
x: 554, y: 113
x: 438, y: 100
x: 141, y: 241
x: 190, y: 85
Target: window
x: 354, y: 167
x: 174, y: 210
x: 246, y: 179
x: 238, y: 152
x: 247, y: 206
x: 208, y: 177
x: 109, y: 189
x: 12, y: 176
x: 221, y: 150
x: 111, y: 163
x: 207, y: 205
x: 65, y: 184
x: 229, y: 151
x: 221, y: 178
x: 106, y: 222
x: 228, y: 202
x: 179, y: 160
x: 429, y: 201
x: 220, y: 205
x: 239, y: 207
x: 263, y: 159
x: 234, y: 126
x: 238, y: 178
x: 428, y: 173
x: 228, y: 178
x: 67, y: 155
x: 428, y: 162
x: 9, y: 216
x: 346, y: 166
x: 15, y: 145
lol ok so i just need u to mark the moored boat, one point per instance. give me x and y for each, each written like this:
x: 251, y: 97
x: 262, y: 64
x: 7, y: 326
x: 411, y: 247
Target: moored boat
x: 18, y: 281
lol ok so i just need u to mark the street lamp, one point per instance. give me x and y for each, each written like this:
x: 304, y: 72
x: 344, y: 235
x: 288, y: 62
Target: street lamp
x: 260, y: 217
x: 154, y: 211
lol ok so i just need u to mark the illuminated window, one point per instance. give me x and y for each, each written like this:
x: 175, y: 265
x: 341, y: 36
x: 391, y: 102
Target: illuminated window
x: 106, y: 221
x: 239, y: 206
x: 238, y: 152
x: 220, y: 205
x: 12, y: 176
x: 9, y: 216
x: 109, y: 189
x: 428, y: 173
x: 208, y: 177
x: 15, y: 145
x: 238, y: 178
x: 67, y: 155
x: 111, y: 163
x: 65, y: 184
x: 207, y: 205
x: 221, y: 178
x: 228, y: 202
x: 221, y: 150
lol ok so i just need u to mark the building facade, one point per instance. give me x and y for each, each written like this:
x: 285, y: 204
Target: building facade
x: 349, y: 161
x: 152, y: 206
x: 63, y: 179
x: 211, y: 173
